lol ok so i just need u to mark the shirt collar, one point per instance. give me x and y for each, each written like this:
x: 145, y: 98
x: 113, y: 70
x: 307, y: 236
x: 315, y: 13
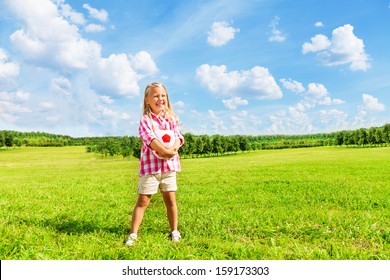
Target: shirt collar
x: 161, y: 117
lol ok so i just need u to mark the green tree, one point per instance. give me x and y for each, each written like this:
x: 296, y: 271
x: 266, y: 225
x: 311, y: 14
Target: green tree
x: 244, y: 144
x: 339, y: 138
x: 378, y: 135
x: 126, y: 147
x: 190, y: 146
x: 370, y: 137
x: 199, y: 150
x: 2, y: 139
x: 362, y: 137
x: 217, y: 144
x: 8, y: 139
x: 207, y: 145
x: 386, y: 133
x: 137, y: 146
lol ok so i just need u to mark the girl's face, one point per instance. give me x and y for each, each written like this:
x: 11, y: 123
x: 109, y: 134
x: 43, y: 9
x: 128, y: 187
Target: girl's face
x: 157, y: 100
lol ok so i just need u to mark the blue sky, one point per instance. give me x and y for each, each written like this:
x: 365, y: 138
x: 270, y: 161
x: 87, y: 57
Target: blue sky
x: 231, y: 67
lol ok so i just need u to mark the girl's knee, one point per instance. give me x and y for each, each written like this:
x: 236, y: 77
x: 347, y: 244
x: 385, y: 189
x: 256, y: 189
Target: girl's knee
x: 143, y: 200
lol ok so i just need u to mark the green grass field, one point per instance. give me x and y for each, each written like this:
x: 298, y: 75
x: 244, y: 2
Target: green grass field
x: 301, y: 204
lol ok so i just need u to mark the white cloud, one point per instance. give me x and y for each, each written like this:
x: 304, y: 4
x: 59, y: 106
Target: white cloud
x: 240, y: 118
x: 372, y: 104
x: 62, y: 86
x: 18, y: 96
x: 48, y: 39
x: 329, y: 101
x: 216, y: 123
x: 318, y: 24
x: 334, y: 117
x: 13, y: 107
x: 316, y: 91
x: 333, y: 120
x: 343, y: 48
x: 118, y: 75
x: 317, y: 94
x: 245, y: 123
x: 12, y: 104
x: 221, y: 33
x: 75, y: 17
x: 256, y: 82
x: 143, y: 63
x: 292, y: 121
x: 101, y: 15
x: 276, y: 34
x: 221, y: 122
x: 179, y: 104
x: 292, y: 85
x: 233, y: 102
x: 7, y: 69
x: 297, y: 119
x: 76, y: 85
x: 318, y: 43
x: 106, y: 99
x: 47, y: 105
x: 366, y: 115
x: 94, y: 28
x: 115, y: 76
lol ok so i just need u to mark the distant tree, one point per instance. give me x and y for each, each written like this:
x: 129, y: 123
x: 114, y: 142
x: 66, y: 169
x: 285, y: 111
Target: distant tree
x: 339, y: 138
x: 225, y: 144
x: 378, y: 135
x: 207, y: 146
x: 371, y: 137
x: 199, y: 146
x: 2, y: 139
x: 126, y: 147
x: 109, y: 147
x: 386, y: 133
x: 217, y: 144
x: 136, y: 143
x: 234, y: 144
x: 362, y: 137
x: 9, y: 139
x: 190, y: 146
x: 244, y: 144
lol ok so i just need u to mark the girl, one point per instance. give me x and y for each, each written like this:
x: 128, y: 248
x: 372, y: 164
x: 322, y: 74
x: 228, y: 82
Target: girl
x: 157, y: 172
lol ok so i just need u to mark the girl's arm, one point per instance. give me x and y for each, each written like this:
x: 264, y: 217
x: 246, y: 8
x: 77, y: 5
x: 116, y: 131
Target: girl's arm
x: 162, y: 151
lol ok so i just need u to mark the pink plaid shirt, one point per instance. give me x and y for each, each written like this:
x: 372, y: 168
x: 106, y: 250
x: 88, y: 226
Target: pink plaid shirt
x: 150, y: 164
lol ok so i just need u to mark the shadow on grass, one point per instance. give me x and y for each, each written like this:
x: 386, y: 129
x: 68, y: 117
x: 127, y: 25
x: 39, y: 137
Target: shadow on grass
x: 77, y: 227
x: 71, y: 226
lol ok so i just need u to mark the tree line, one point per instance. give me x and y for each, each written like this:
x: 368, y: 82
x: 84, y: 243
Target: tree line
x: 202, y: 145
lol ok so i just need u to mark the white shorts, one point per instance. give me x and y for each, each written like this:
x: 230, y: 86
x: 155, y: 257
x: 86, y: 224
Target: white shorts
x: 149, y: 184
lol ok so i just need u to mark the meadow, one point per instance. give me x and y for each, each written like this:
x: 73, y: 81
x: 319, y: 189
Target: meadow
x: 327, y: 203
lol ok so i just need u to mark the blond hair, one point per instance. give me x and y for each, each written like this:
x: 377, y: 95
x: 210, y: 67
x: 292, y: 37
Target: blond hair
x: 168, y: 110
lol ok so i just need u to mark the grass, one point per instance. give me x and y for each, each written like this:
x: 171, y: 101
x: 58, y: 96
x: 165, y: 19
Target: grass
x: 301, y: 204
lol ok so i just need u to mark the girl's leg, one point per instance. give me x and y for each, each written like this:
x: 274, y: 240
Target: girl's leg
x: 170, y: 204
x: 138, y: 213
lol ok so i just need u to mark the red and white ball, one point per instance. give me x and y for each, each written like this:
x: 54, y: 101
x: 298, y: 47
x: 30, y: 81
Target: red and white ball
x: 166, y: 138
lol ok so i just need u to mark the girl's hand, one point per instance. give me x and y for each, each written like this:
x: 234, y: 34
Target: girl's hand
x: 163, y: 152
x: 169, y: 152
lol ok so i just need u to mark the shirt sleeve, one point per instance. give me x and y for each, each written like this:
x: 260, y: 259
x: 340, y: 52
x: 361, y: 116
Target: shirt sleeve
x: 146, y: 131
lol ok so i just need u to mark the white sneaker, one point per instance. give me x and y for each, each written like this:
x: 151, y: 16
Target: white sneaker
x: 131, y: 239
x: 175, y: 236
